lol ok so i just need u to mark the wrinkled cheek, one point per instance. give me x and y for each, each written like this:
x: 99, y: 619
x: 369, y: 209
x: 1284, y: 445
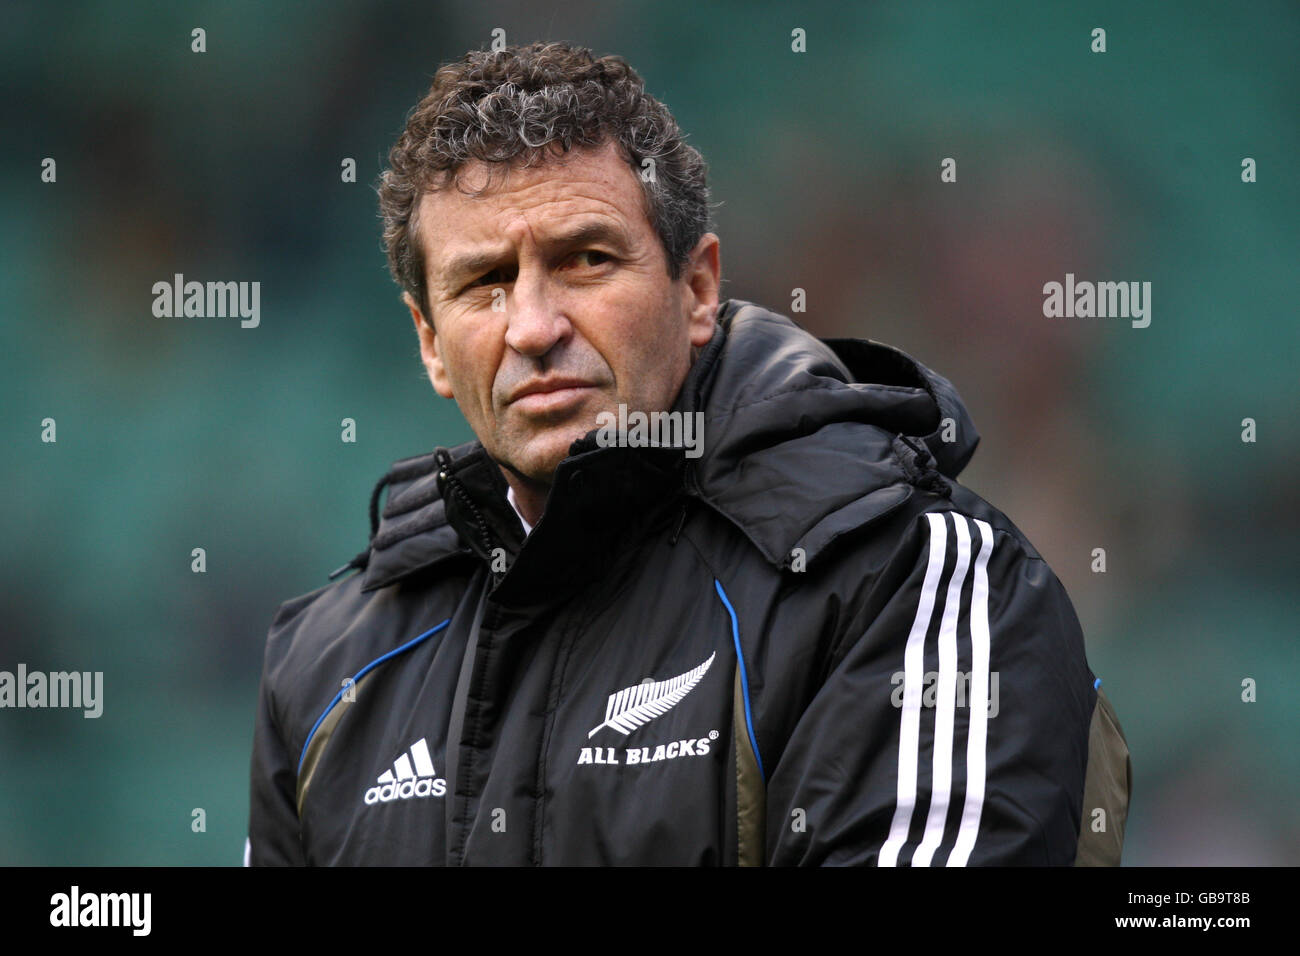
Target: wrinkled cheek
x: 473, y: 395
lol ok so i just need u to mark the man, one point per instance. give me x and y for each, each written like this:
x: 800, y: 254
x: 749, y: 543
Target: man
x: 704, y: 590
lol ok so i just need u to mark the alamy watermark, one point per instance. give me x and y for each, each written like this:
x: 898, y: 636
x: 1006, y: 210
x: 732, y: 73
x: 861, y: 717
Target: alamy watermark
x: 652, y: 429
x: 930, y: 687
x: 1101, y: 300
x: 208, y: 300
x: 75, y: 908
x: 76, y: 689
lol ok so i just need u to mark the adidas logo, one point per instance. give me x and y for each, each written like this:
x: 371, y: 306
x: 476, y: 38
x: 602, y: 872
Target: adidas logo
x: 408, y: 782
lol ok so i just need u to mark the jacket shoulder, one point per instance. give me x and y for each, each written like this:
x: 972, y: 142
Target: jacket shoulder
x: 310, y: 631
x: 934, y: 543
x: 318, y: 639
x: 969, y: 518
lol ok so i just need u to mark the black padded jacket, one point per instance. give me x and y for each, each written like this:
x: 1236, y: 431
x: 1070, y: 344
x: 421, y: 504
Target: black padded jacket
x: 808, y: 645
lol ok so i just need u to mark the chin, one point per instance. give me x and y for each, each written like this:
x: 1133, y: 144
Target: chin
x: 544, y: 455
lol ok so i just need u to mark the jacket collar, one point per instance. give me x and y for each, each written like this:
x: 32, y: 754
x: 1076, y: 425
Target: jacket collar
x: 456, y: 511
x: 804, y: 441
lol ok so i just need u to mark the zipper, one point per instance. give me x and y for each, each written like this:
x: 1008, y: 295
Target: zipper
x: 448, y: 482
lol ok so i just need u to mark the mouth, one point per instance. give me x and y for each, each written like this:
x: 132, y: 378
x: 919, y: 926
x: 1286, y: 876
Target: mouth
x: 550, y: 395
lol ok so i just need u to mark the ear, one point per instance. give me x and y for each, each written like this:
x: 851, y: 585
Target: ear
x: 703, y: 275
x: 430, y: 354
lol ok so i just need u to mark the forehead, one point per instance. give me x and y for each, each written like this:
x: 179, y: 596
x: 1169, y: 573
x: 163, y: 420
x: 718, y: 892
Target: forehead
x: 581, y: 187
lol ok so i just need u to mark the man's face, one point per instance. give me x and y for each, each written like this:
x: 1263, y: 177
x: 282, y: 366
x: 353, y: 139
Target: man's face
x: 585, y: 317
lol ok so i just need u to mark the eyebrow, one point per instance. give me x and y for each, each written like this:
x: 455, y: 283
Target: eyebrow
x: 595, y: 231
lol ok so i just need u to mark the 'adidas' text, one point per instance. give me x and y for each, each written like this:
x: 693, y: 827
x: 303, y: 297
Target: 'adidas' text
x: 408, y: 782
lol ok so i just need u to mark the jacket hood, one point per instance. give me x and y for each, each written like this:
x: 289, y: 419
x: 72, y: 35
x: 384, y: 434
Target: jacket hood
x: 804, y: 440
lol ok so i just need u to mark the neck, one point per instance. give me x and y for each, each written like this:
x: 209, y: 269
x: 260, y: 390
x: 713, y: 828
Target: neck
x: 530, y: 495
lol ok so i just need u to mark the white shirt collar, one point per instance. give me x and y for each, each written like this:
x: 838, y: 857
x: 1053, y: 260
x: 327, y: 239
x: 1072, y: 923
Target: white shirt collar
x: 510, y: 497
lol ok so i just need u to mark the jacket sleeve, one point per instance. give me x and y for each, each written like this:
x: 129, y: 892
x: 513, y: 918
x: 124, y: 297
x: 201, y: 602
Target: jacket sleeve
x: 952, y: 725
x: 273, y: 829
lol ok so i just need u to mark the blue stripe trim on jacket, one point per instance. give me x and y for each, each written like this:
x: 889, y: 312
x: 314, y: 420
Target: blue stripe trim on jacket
x: 744, y: 677
x: 362, y: 673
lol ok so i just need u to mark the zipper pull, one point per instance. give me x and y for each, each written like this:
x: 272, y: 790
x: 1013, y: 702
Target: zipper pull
x: 443, y: 458
x: 681, y: 521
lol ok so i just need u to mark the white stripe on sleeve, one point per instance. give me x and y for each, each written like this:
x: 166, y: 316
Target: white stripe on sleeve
x: 910, y: 722
x: 945, y: 715
x: 979, y: 702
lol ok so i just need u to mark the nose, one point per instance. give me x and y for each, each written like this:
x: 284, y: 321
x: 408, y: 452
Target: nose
x: 534, y: 324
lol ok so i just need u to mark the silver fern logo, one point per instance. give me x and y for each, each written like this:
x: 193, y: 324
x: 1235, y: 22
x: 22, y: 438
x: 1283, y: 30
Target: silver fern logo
x: 641, y: 703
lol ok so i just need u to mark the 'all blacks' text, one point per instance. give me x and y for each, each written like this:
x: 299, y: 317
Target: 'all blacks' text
x: 698, y: 747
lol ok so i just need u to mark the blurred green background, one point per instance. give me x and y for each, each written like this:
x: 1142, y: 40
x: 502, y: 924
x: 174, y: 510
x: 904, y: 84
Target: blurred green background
x: 182, y: 433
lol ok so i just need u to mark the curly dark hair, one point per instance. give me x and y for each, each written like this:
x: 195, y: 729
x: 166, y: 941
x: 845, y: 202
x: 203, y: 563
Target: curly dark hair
x: 515, y: 105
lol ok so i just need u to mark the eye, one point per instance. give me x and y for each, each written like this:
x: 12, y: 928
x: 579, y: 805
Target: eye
x: 494, y: 277
x: 604, y: 257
